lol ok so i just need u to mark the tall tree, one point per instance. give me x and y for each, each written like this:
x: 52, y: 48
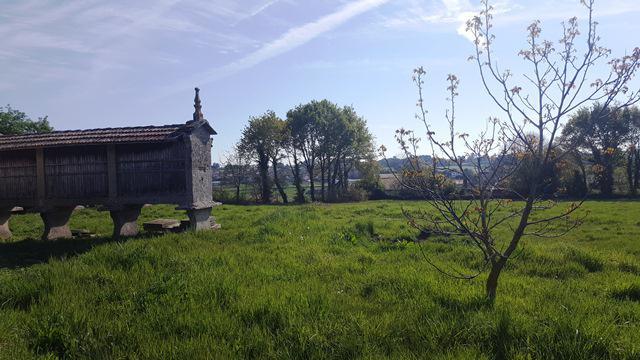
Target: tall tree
x: 279, y: 139
x: 293, y: 157
x: 262, y: 139
x: 332, y: 140
x: 304, y: 122
x: 15, y: 122
x: 559, y: 82
x: 602, y: 132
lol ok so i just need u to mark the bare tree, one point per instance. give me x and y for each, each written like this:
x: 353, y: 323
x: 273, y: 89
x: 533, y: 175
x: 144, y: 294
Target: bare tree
x: 535, y: 106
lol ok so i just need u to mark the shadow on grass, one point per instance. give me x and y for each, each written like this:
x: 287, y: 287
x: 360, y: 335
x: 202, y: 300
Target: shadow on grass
x: 30, y: 252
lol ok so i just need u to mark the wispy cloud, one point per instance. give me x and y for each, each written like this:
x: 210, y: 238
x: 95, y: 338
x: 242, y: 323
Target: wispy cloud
x: 290, y: 40
x: 448, y: 13
x: 417, y: 14
x: 258, y: 10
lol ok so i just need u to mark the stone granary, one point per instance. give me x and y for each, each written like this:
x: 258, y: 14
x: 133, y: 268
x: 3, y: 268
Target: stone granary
x: 117, y: 169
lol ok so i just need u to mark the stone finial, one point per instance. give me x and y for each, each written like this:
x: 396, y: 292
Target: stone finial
x: 197, y: 115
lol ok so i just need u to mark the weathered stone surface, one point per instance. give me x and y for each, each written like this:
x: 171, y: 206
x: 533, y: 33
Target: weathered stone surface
x: 198, y: 160
x: 125, y: 221
x: 162, y: 225
x: 200, y: 219
x: 56, y: 223
x: 5, y: 232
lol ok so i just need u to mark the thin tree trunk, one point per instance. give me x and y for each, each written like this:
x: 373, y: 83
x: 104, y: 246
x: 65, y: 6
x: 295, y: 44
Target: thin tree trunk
x: 607, y: 181
x: 636, y: 181
x: 345, y: 178
x: 283, y: 194
x: 265, y: 184
x: 336, y: 172
x: 297, y: 179
x: 583, y: 170
x: 329, y: 183
x: 312, y: 183
x: 322, y: 178
x: 630, y: 172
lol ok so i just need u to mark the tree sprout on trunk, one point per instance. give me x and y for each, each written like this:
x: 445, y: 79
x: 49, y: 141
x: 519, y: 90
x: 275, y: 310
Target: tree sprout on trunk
x: 534, y: 109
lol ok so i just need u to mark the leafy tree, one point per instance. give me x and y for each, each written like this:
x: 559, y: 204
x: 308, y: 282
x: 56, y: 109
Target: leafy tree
x: 357, y: 152
x: 262, y: 139
x: 15, y: 122
x: 279, y: 138
x: 293, y: 157
x: 519, y: 181
x: 304, y: 123
x: 559, y: 82
x: 602, y: 132
x: 332, y: 142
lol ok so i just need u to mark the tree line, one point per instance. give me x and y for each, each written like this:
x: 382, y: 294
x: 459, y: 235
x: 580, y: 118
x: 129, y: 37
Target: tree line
x: 311, y: 154
x: 315, y: 148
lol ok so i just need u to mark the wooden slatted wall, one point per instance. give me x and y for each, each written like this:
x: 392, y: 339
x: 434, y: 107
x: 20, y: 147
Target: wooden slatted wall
x: 76, y: 172
x: 148, y: 169
x: 18, y: 175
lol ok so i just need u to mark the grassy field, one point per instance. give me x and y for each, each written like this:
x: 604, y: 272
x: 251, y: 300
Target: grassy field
x: 317, y: 281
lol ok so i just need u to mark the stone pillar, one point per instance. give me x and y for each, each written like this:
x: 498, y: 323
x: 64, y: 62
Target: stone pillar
x: 56, y: 223
x: 200, y: 219
x: 125, y: 220
x: 5, y: 232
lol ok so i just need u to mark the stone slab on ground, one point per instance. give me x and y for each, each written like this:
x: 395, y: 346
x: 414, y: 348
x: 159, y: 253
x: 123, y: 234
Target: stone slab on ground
x: 162, y: 225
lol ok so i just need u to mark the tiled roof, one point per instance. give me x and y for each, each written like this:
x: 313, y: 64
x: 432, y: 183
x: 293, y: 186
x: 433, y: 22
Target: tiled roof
x: 141, y: 134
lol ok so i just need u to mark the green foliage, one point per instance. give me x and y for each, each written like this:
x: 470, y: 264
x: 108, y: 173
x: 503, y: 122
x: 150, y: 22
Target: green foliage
x: 601, y: 132
x: 367, y: 189
x: 333, y: 141
x: 574, y: 184
x: 15, y: 122
x: 310, y: 282
x: 520, y: 181
x: 421, y: 184
x: 262, y: 140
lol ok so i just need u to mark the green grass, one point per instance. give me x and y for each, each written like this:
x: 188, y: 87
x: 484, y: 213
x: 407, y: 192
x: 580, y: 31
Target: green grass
x: 317, y: 281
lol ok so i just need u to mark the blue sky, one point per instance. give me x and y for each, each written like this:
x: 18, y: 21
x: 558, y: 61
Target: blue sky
x: 90, y: 63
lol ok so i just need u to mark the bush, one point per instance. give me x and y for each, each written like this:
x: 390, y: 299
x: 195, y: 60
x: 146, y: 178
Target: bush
x: 574, y: 184
x: 373, y: 188
x: 355, y: 194
x: 420, y: 184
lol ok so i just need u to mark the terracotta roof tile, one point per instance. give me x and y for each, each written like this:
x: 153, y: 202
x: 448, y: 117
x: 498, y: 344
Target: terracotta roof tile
x: 124, y: 135
x: 141, y: 134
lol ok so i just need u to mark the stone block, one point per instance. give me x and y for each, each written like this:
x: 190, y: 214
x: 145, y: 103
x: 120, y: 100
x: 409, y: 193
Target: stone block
x: 200, y: 219
x: 5, y: 232
x: 125, y: 220
x: 56, y: 223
